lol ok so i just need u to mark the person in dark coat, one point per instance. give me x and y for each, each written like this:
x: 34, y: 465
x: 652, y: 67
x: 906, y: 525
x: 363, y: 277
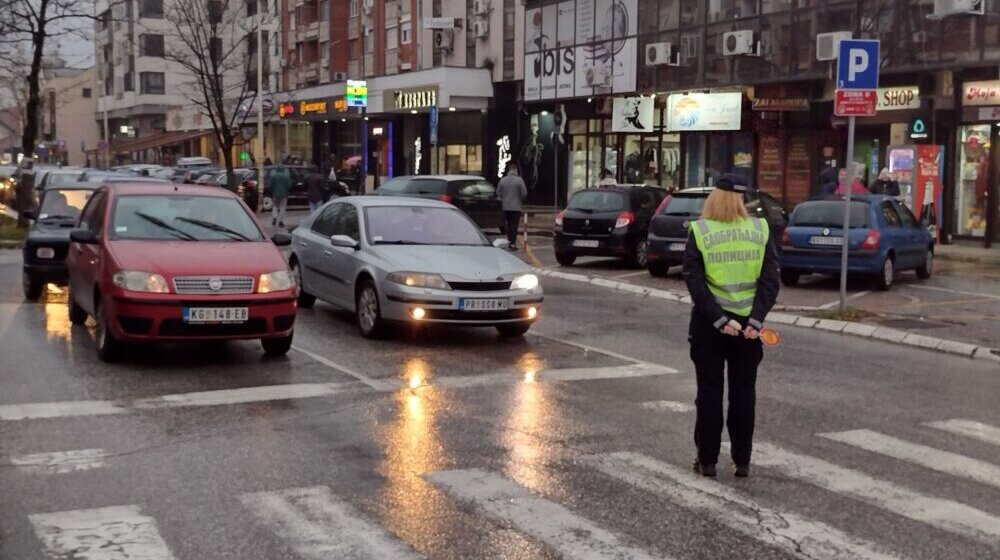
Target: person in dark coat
x: 884, y: 184
x: 828, y: 181
x: 315, y: 183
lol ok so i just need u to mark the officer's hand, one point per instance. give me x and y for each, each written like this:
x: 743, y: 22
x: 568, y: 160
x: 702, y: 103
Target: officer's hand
x: 751, y: 333
x: 732, y: 328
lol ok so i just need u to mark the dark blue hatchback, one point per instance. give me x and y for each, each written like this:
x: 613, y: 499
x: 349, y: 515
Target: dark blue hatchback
x: 885, y: 237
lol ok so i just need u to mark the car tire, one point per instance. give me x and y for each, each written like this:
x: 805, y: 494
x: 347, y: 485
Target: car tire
x: 565, y: 260
x: 32, y: 285
x: 513, y: 331
x: 658, y: 269
x: 268, y: 203
x: 790, y: 278
x: 925, y: 271
x: 637, y: 256
x: 77, y: 316
x: 109, y: 348
x: 305, y: 299
x: 368, y: 311
x: 884, y: 281
x: 276, y: 347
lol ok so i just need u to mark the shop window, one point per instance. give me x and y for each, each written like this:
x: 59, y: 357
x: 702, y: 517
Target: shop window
x: 972, y: 184
x: 694, y: 164
x: 670, y: 161
x: 669, y: 16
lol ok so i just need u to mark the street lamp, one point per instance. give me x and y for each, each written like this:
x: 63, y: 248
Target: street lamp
x: 260, y: 107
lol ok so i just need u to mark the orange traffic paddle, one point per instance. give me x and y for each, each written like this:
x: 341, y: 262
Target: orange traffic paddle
x: 770, y: 337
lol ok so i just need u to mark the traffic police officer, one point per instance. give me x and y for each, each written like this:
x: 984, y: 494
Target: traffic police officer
x: 731, y: 271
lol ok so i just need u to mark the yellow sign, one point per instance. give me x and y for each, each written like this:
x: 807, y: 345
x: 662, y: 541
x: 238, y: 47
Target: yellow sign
x: 340, y: 105
x: 306, y: 107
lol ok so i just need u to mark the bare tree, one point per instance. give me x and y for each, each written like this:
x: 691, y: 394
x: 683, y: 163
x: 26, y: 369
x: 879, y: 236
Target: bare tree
x: 212, y: 42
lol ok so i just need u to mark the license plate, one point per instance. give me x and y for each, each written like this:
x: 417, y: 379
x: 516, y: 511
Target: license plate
x: 45, y: 253
x: 216, y: 314
x: 678, y: 246
x: 830, y: 241
x: 590, y: 244
x: 483, y: 304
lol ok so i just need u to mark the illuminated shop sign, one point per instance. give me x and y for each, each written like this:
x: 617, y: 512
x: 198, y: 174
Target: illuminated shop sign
x: 312, y: 107
x: 286, y: 109
x: 357, y: 93
x: 503, y: 155
x: 414, y: 99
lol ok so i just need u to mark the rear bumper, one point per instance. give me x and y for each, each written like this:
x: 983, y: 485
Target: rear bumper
x: 54, y: 272
x: 805, y: 261
x: 667, y: 250
x: 614, y: 245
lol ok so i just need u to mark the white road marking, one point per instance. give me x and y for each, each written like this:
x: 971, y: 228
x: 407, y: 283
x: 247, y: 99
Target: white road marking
x: 60, y: 462
x: 570, y: 534
x: 669, y: 406
x: 935, y: 459
x: 790, y: 532
x: 969, y: 428
x: 951, y: 291
x: 944, y: 514
x: 589, y: 348
x: 377, y: 384
x: 110, y: 533
x: 630, y: 274
x: 851, y: 297
x: 319, y: 525
x: 59, y: 409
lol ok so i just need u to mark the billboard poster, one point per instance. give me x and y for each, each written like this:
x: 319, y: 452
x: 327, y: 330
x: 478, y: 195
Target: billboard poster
x: 928, y: 190
x: 632, y: 114
x: 704, y: 111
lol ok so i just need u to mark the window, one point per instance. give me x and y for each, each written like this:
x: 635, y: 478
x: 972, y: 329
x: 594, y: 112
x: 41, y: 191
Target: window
x: 190, y: 218
x: 216, y: 48
x: 92, y: 217
x: 890, y: 215
x: 87, y: 94
x: 151, y: 45
x: 151, y: 9
x: 354, y: 7
x: 404, y: 33
x: 346, y: 222
x: 128, y: 81
x: 324, y: 10
x: 252, y: 7
x: 215, y: 11
x: 391, y: 38
x: 324, y: 223
x: 906, y: 216
x: 152, y: 82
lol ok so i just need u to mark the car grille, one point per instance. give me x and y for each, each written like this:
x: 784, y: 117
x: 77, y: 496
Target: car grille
x: 459, y: 315
x: 202, y: 284
x: 177, y: 327
x: 480, y: 286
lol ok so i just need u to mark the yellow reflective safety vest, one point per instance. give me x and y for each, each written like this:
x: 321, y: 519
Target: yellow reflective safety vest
x: 733, y: 254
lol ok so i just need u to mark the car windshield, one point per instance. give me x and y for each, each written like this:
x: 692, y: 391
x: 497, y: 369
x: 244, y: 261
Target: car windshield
x: 417, y: 225
x: 829, y: 213
x: 63, y: 204
x: 62, y: 179
x: 684, y: 206
x: 189, y: 218
x: 597, y: 201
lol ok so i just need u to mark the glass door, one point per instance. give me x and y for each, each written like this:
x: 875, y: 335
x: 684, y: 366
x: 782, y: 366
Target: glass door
x: 972, y: 183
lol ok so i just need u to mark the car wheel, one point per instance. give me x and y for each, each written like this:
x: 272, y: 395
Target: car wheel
x: 565, y: 260
x: 368, y: 312
x: 268, y: 203
x: 789, y: 278
x: 925, y: 271
x: 513, y: 331
x: 276, y: 347
x: 305, y: 299
x: 77, y: 316
x: 109, y: 348
x: 637, y: 257
x: 884, y: 280
x: 32, y: 285
x: 658, y: 269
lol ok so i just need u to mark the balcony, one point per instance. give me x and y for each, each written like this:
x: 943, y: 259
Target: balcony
x: 307, y: 31
x: 309, y: 71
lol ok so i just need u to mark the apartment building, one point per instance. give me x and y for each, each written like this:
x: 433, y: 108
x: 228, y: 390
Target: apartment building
x: 67, y: 128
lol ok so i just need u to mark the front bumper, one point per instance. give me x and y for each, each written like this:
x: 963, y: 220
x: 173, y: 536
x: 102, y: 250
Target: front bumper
x: 444, y: 306
x: 159, y: 317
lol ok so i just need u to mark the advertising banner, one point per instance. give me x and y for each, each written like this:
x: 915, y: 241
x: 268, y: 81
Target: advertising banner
x: 632, y: 114
x: 927, y: 194
x: 704, y: 111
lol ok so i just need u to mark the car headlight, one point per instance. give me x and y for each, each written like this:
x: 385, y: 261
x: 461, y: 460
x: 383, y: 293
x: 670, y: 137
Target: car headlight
x: 141, y: 282
x: 419, y: 280
x: 525, y: 282
x: 276, y: 281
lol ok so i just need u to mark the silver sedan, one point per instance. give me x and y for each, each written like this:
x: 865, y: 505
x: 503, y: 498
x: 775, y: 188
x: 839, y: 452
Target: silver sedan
x: 414, y: 261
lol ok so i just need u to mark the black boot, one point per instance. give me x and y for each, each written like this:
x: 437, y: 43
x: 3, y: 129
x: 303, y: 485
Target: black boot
x: 703, y: 469
x: 741, y: 471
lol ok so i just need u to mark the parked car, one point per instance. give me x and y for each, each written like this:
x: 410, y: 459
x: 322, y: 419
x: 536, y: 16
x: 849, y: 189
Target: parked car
x: 58, y: 177
x: 885, y: 237
x: 471, y: 194
x: 608, y: 221
x: 47, y: 242
x: 174, y: 263
x: 668, y: 230
x: 297, y: 195
x: 8, y: 183
x: 137, y: 169
x: 410, y: 261
x: 193, y: 162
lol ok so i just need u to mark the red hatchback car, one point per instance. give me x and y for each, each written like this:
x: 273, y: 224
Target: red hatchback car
x: 174, y: 263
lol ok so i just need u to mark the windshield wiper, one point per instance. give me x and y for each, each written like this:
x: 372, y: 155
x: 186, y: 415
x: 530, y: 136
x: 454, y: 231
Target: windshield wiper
x: 215, y: 227
x: 158, y: 222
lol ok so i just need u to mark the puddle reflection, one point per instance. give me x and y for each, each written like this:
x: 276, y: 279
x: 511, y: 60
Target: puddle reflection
x: 527, y: 453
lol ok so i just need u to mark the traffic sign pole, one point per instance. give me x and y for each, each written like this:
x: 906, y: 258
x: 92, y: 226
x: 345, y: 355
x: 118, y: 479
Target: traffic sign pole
x: 847, y: 216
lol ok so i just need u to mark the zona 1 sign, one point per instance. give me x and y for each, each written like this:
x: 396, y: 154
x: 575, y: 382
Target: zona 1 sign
x: 860, y: 103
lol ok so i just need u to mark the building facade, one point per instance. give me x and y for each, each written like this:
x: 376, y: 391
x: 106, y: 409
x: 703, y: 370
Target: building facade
x: 67, y: 128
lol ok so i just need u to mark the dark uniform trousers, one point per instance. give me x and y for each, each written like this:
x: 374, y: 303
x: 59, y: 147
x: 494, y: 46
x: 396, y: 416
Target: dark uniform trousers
x: 711, y: 352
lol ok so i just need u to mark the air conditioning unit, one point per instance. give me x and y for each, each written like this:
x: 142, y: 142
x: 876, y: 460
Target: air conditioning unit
x: 597, y: 76
x: 658, y: 54
x: 368, y: 30
x: 481, y: 29
x: 945, y: 8
x: 481, y: 7
x: 443, y: 39
x: 742, y: 42
x: 367, y: 6
x: 828, y: 44
x: 340, y: 76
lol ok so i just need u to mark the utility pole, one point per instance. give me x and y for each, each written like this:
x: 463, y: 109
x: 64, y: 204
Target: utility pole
x: 107, y: 137
x: 260, y: 107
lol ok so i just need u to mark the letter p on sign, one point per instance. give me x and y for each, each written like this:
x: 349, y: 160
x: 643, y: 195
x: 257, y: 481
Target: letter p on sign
x: 857, y: 64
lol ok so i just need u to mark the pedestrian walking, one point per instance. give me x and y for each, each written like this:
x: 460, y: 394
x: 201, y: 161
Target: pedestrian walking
x: 512, y: 191
x: 884, y: 184
x: 315, y: 183
x: 281, y: 183
x: 731, y: 271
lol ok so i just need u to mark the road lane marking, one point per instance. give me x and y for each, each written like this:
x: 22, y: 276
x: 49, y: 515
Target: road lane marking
x: 377, y: 384
x: 630, y: 274
x: 571, y: 535
x: 790, y: 532
x: 109, y: 533
x: 937, y: 512
x: 951, y: 291
x: 929, y: 457
x: 852, y: 297
x: 319, y: 525
x: 590, y: 348
x: 669, y: 406
x: 968, y: 428
x: 60, y: 462
x: 59, y: 409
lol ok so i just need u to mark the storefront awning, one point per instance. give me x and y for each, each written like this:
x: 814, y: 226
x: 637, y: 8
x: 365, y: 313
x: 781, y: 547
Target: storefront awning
x: 157, y: 141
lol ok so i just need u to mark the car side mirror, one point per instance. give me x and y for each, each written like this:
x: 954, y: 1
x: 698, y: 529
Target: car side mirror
x: 30, y: 215
x: 281, y: 238
x: 84, y: 236
x: 343, y: 241
x: 501, y: 243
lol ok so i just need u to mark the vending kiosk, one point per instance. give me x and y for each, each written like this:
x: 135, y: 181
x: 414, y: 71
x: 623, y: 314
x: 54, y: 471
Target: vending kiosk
x: 919, y: 170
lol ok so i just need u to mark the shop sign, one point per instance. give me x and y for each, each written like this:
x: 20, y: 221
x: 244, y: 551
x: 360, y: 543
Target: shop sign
x: 579, y: 48
x: 898, y: 98
x: 414, y: 99
x: 434, y: 125
x: 340, y: 105
x: 439, y: 23
x: 981, y: 93
x: 503, y: 155
x: 286, y: 109
x: 918, y: 129
x: 704, y: 111
x: 989, y: 114
x: 418, y: 154
x: 855, y: 103
x: 632, y: 114
x: 780, y: 104
x: 357, y: 93
x: 312, y: 107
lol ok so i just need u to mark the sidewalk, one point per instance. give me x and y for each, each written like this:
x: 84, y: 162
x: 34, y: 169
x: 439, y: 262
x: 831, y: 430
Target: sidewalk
x: 969, y: 253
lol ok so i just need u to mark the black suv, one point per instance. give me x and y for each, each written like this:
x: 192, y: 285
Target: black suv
x: 48, y: 239
x: 668, y: 231
x: 471, y: 194
x: 607, y: 222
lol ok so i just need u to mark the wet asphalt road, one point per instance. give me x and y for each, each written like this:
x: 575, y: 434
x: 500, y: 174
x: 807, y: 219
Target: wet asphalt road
x: 571, y: 443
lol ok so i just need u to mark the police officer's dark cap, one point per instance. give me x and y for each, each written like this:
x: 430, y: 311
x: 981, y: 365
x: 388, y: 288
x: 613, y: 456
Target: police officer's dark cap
x: 732, y: 183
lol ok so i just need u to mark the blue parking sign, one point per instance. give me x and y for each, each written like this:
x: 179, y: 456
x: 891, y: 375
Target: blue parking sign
x: 857, y: 65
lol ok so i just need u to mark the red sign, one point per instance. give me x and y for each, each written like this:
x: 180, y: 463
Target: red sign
x: 855, y: 103
x: 286, y: 109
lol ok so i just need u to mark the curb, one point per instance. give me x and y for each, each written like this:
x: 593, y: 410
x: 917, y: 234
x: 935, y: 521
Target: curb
x: 971, y: 259
x: 861, y: 330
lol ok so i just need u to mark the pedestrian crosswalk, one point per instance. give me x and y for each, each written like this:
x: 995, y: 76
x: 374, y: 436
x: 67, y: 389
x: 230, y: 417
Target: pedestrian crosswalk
x: 325, y: 521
